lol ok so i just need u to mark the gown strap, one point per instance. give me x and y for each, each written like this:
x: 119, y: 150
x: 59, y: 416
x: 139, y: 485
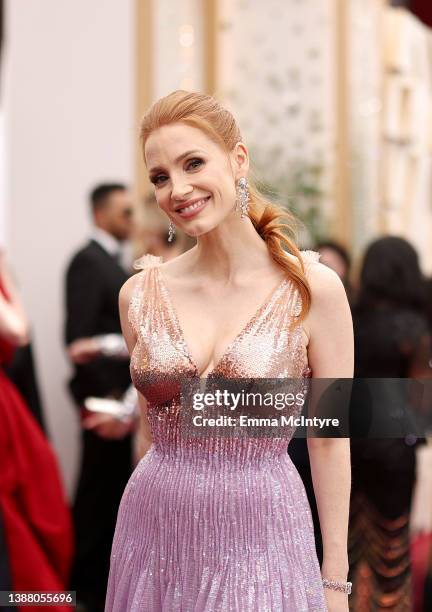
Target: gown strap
x: 136, y: 307
x: 147, y: 261
x: 310, y: 257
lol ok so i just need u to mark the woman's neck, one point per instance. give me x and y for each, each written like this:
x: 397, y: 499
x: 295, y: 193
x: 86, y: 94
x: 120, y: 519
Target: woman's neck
x: 228, y: 253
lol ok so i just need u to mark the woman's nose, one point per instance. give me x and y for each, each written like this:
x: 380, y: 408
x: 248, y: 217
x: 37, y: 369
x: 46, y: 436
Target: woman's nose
x: 180, y: 189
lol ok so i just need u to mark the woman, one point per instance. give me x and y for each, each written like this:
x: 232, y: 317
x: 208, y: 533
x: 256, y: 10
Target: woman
x: 207, y: 524
x: 391, y: 341
x: 35, y: 518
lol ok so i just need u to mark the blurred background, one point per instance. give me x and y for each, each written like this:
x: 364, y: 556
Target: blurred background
x: 334, y: 99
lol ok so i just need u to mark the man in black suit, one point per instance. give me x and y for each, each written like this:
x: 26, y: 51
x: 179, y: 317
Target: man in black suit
x: 93, y: 281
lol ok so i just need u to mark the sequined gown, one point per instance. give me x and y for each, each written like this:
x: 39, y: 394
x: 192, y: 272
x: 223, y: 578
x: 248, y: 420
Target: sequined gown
x: 213, y: 524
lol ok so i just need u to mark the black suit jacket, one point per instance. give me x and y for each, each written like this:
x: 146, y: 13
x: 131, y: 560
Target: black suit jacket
x: 93, y: 282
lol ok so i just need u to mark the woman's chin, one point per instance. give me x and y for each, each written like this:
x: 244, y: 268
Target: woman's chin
x: 198, y: 229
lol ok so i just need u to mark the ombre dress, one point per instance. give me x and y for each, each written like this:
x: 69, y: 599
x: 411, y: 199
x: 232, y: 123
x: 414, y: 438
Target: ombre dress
x: 213, y: 523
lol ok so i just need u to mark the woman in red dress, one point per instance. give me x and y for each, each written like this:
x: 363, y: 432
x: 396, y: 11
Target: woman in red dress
x: 35, y: 516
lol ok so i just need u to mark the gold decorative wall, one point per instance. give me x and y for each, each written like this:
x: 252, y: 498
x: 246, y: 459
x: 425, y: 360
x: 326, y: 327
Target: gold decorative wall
x: 333, y: 98
x: 406, y: 135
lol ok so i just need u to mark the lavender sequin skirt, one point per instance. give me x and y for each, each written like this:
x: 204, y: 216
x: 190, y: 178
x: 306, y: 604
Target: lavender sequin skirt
x: 200, y: 534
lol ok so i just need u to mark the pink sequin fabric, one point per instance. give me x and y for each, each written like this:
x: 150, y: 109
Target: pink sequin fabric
x: 213, y: 524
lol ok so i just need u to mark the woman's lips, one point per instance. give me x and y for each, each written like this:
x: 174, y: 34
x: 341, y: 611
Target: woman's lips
x: 193, y: 209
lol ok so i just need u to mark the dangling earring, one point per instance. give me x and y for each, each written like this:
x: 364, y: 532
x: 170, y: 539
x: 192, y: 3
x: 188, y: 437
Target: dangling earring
x: 171, y: 231
x: 242, y: 201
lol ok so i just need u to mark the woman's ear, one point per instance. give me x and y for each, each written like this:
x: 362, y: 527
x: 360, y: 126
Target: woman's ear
x: 240, y: 159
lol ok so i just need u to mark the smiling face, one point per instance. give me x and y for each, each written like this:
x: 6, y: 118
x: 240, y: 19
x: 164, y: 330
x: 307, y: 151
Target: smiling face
x: 194, y: 178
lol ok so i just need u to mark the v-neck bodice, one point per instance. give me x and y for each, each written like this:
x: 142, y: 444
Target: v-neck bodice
x: 269, y: 346
x: 167, y: 301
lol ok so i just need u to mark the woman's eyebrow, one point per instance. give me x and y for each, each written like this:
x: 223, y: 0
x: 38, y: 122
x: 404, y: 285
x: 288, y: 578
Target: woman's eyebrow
x: 177, y: 160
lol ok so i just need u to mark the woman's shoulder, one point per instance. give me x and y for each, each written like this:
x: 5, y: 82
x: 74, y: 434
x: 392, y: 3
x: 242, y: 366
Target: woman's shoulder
x: 134, y: 283
x: 328, y: 324
x: 177, y: 267
x: 128, y: 288
x: 328, y: 296
x: 321, y: 278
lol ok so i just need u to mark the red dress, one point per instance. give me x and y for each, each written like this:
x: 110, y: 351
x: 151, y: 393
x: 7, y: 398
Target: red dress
x: 36, y: 517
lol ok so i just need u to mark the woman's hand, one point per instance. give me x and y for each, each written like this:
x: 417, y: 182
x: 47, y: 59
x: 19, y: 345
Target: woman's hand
x: 108, y: 427
x: 83, y: 350
x: 336, y: 601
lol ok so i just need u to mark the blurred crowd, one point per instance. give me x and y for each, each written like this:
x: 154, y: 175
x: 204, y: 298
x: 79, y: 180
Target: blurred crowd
x: 48, y: 544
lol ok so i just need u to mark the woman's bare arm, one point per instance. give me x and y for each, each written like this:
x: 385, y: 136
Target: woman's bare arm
x: 13, y: 322
x: 331, y: 356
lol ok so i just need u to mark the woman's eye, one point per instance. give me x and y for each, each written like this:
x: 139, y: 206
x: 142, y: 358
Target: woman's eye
x: 194, y: 163
x: 158, y: 179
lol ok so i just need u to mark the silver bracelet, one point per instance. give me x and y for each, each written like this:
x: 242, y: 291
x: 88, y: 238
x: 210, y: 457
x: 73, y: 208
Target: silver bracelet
x: 334, y: 585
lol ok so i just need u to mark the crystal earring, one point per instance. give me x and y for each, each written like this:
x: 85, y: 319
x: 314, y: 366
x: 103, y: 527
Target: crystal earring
x: 242, y: 202
x: 171, y: 231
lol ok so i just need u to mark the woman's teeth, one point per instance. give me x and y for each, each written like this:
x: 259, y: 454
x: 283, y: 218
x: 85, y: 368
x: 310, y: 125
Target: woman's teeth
x: 193, y: 206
